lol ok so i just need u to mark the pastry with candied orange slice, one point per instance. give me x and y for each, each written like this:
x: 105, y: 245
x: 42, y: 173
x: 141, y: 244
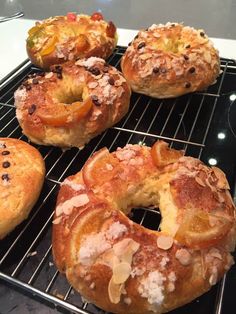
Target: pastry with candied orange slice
x: 170, y: 60
x: 123, y: 267
x: 62, y: 38
x: 73, y: 103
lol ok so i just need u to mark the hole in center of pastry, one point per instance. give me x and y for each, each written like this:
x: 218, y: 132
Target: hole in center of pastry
x: 170, y: 45
x: 69, y: 96
x: 149, y: 217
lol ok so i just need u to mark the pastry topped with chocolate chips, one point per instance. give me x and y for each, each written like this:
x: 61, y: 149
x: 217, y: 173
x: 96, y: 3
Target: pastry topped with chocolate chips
x: 22, y: 173
x: 170, y: 60
x: 72, y: 103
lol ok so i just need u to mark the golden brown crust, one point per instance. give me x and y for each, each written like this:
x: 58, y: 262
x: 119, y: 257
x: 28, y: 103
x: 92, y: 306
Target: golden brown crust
x: 73, y: 103
x: 62, y: 38
x: 123, y: 267
x: 170, y: 60
x: 22, y: 173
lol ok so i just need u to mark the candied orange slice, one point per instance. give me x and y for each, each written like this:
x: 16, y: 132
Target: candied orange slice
x: 162, y: 155
x: 49, y: 46
x: 62, y: 114
x: 201, y: 229
x: 82, y: 42
x: 100, y: 168
x: 34, y: 30
x: 111, y: 29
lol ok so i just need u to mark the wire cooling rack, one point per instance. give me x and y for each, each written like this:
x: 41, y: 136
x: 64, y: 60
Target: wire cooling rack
x: 189, y: 122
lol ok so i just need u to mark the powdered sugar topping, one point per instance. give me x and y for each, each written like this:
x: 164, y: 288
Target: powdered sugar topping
x: 116, y: 230
x: 152, y: 287
x: 95, y: 244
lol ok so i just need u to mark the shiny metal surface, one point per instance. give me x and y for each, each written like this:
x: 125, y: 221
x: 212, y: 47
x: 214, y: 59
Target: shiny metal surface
x: 217, y: 17
x: 11, y: 16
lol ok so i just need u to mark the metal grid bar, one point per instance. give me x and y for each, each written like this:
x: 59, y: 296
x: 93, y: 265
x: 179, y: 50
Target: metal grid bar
x: 125, y: 129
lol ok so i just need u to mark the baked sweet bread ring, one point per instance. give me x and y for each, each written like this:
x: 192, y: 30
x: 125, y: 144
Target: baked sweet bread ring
x: 123, y: 267
x: 62, y: 38
x: 73, y: 103
x: 22, y: 173
x: 170, y: 60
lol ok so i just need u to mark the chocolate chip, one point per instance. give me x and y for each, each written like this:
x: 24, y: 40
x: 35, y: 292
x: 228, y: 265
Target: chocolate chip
x: 129, y: 43
x: 5, y: 152
x: 186, y: 57
x: 35, y: 81
x: 136, y: 36
x: 155, y: 70
x: 41, y: 74
x: 5, y: 177
x: 31, y: 109
x: 6, y: 164
x: 25, y: 82
x: 28, y: 87
x: 95, y: 71
x: 59, y: 75
x: 188, y: 46
x: 105, y: 69
x: 173, y: 25
x: 187, y: 85
x: 95, y: 100
x: 2, y: 145
x: 191, y: 70
x: 111, y: 81
x: 202, y: 34
x: 58, y: 68
x: 141, y: 45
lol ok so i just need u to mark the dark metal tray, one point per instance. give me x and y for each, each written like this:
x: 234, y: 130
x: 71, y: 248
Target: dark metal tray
x: 203, y: 124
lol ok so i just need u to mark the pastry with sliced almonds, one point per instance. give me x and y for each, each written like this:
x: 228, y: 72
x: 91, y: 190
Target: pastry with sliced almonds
x: 123, y: 267
x: 71, y: 37
x: 170, y: 60
x: 72, y: 103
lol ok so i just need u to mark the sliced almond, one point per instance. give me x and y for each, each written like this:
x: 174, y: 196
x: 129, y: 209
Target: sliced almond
x: 146, y: 56
x: 114, y: 291
x: 183, y: 256
x: 216, y: 255
x: 213, y: 279
x: 127, y: 301
x: 125, y: 250
x: 126, y: 245
x: 164, y: 242
x: 222, y: 181
x: 121, y: 273
x: 199, y: 181
x: 57, y: 220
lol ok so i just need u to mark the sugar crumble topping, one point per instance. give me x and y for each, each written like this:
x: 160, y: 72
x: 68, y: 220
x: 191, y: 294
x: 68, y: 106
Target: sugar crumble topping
x: 116, y: 230
x: 95, y: 244
x: 152, y: 287
x: 92, y: 246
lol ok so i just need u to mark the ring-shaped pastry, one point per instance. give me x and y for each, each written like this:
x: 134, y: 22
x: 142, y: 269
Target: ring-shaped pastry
x: 123, y: 267
x: 73, y: 103
x: 62, y: 38
x: 170, y: 60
